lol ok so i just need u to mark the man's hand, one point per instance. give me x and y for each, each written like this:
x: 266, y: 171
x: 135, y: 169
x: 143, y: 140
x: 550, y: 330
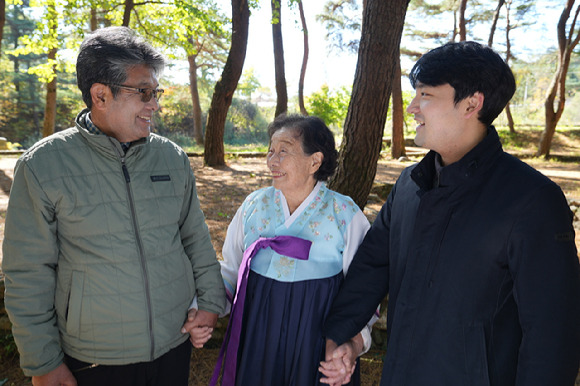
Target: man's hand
x: 200, y: 326
x: 61, y: 376
x: 340, y: 361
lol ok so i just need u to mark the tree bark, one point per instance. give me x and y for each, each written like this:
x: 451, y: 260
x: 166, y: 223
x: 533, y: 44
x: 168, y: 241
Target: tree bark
x: 510, y: 118
x: 557, y: 90
x: 281, y: 90
x: 397, y: 135
x: 225, y: 87
x: 129, y: 5
x: 382, y: 27
x: 2, y: 21
x: 508, y: 56
x: 462, y: 22
x: 197, y: 129
x: 50, y: 106
x: 93, y: 21
x: 304, y: 61
x: 500, y: 4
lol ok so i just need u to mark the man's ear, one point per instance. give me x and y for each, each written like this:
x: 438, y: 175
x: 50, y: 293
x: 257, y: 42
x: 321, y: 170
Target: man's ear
x: 474, y: 104
x: 99, y: 94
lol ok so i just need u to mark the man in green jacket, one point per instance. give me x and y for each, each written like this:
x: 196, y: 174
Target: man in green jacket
x: 105, y: 243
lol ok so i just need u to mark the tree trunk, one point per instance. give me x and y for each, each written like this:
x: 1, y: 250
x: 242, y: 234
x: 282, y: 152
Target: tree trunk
x: 500, y: 4
x: 510, y: 118
x: 555, y: 108
x: 462, y: 22
x: 93, y: 22
x: 31, y: 88
x: 281, y: 91
x: 382, y: 27
x: 50, y: 106
x: 304, y: 61
x: 397, y: 136
x: 2, y: 21
x: 129, y: 5
x: 225, y: 87
x: 508, y: 56
x: 197, y: 129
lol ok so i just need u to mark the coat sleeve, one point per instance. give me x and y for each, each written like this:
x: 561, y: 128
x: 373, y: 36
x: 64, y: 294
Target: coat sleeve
x: 355, y: 233
x: 30, y: 257
x: 544, y: 264
x: 196, y: 241
x: 365, y: 284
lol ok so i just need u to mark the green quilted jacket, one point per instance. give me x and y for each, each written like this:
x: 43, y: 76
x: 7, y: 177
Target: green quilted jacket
x: 104, y: 252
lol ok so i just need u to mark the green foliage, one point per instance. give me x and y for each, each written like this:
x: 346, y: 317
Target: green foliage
x: 409, y: 120
x: 249, y: 83
x: 533, y: 79
x: 245, y: 124
x: 329, y: 105
x: 44, y: 39
x: 342, y: 21
x: 176, y: 114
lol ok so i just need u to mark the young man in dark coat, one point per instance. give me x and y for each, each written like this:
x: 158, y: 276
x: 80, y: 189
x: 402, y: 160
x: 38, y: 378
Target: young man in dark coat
x: 474, y: 248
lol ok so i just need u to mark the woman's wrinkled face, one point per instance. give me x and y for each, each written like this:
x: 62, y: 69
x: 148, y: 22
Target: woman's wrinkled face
x: 292, y: 170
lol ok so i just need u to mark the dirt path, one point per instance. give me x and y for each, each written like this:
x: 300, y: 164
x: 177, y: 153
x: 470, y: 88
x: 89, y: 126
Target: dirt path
x: 221, y: 192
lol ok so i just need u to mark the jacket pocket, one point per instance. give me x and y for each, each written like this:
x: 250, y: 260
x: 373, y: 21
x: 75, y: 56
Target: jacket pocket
x: 73, y: 316
x: 476, y: 366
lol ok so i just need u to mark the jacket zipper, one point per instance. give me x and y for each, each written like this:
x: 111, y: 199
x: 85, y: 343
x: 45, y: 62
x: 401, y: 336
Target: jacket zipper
x: 140, y: 247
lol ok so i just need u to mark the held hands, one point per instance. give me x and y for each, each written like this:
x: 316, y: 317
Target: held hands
x: 340, y: 361
x: 61, y: 376
x: 199, y: 325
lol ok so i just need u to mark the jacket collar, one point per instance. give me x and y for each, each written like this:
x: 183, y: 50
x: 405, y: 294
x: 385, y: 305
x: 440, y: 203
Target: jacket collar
x: 475, y: 163
x: 102, y: 141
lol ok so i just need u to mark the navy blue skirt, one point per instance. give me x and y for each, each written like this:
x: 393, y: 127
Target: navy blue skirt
x: 281, y: 341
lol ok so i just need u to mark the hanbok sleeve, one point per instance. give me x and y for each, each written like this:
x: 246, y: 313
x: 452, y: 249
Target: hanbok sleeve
x: 232, y: 252
x: 354, y: 236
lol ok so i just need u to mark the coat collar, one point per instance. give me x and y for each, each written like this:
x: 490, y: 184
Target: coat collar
x: 105, y: 143
x: 469, y: 168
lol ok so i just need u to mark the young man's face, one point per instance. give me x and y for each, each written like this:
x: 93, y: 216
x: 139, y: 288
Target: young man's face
x: 127, y: 117
x: 441, y: 122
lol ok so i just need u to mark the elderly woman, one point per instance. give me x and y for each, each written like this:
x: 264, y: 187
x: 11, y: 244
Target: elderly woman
x: 286, y: 252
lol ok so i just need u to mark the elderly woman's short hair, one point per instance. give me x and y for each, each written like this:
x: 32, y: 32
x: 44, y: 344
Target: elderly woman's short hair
x: 315, y: 137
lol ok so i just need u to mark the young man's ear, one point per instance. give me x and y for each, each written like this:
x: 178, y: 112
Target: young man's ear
x: 474, y: 104
x: 99, y: 94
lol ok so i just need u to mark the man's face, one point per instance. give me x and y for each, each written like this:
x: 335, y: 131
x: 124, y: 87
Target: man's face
x: 126, y: 117
x: 440, y: 121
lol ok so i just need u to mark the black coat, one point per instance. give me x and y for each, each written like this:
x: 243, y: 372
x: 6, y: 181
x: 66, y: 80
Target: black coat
x: 482, y: 274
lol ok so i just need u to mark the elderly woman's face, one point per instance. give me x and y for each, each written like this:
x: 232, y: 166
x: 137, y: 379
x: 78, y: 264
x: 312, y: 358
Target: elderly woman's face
x: 292, y: 170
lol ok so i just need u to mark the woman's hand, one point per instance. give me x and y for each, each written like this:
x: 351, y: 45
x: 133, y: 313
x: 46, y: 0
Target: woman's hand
x: 340, y: 361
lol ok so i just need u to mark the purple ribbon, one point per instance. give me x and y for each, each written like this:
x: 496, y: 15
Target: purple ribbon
x: 290, y: 246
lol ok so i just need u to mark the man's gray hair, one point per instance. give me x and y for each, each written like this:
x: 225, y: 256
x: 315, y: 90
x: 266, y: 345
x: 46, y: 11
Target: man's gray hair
x: 107, y: 54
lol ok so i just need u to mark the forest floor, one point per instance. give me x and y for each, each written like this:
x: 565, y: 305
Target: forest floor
x: 221, y: 191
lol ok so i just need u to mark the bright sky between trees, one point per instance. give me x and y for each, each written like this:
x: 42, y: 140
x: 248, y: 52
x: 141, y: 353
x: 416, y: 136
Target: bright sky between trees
x: 337, y: 69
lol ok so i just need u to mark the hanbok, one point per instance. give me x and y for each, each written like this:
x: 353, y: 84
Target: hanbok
x: 287, y: 299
